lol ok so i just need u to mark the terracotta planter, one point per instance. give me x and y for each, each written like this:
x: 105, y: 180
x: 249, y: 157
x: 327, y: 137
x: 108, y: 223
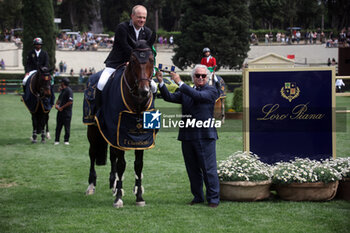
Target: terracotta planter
x: 344, y: 189
x: 307, y: 191
x: 244, y: 190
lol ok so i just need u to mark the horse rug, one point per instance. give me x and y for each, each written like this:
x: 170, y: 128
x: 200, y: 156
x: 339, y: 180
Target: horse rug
x: 119, y: 125
x: 221, y: 87
x: 33, y: 102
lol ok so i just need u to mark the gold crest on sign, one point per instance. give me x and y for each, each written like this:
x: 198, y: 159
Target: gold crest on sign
x: 290, y: 91
x: 139, y: 125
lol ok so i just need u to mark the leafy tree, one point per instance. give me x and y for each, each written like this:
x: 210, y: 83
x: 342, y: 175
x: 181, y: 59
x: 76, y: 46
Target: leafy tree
x: 221, y: 25
x: 266, y: 12
x: 338, y: 13
x: 10, y: 14
x: 38, y: 21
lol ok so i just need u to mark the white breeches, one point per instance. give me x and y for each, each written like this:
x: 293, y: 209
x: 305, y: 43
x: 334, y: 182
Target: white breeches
x: 107, y: 72
x: 27, y: 76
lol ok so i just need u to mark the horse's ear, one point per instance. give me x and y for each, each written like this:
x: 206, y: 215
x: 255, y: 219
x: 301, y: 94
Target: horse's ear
x: 152, y: 39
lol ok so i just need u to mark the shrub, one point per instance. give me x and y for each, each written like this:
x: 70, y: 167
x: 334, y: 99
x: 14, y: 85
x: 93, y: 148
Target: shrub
x: 237, y: 103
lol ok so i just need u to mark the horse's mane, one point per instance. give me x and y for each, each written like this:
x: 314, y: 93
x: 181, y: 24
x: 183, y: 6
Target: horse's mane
x: 142, y: 44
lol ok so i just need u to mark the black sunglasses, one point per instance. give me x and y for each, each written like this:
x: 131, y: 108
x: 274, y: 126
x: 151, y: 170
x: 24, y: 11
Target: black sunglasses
x: 201, y: 75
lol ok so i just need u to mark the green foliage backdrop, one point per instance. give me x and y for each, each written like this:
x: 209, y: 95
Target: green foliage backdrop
x: 220, y: 25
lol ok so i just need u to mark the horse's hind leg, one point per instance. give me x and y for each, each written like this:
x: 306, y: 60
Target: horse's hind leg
x: 97, y: 154
x: 118, y: 165
x: 138, y: 189
x: 47, y: 131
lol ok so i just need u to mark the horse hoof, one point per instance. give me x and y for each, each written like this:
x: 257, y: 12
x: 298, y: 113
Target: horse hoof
x: 34, y: 141
x: 90, y: 190
x: 118, y: 204
x: 43, y: 141
x: 140, y: 203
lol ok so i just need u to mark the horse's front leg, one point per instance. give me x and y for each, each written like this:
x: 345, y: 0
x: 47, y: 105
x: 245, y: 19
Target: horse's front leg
x: 138, y: 189
x: 41, y: 127
x: 35, y: 126
x: 116, y: 177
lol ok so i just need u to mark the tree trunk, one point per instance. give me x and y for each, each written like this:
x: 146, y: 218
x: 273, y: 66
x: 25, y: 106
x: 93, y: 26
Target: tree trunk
x: 96, y: 25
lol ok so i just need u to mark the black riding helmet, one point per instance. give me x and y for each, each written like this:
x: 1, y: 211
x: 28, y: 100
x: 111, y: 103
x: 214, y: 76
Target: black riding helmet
x: 65, y: 81
x: 38, y: 41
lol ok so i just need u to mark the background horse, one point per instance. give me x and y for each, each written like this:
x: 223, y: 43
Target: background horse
x: 219, y: 108
x: 137, y: 97
x: 39, y: 99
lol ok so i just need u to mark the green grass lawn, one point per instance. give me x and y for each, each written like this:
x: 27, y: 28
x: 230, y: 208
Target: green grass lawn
x: 42, y: 186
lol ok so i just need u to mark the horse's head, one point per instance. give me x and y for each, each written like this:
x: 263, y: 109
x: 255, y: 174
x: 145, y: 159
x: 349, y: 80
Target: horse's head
x: 43, y: 82
x: 140, y: 70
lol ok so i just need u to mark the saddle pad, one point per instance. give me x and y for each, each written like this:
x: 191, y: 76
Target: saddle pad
x: 120, y: 127
x: 89, y: 104
x: 128, y: 133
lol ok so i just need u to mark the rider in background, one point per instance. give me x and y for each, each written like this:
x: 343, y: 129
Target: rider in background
x: 122, y: 47
x: 36, y: 58
x: 209, y: 61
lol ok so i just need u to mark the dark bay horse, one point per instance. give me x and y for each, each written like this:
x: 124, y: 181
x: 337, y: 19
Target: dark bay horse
x: 136, y: 96
x: 39, y: 99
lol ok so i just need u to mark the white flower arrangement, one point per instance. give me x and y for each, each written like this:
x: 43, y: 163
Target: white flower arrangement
x: 342, y: 165
x: 304, y: 170
x: 243, y: 166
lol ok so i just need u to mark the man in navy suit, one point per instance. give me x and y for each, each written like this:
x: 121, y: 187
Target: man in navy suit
x: 198, y: 143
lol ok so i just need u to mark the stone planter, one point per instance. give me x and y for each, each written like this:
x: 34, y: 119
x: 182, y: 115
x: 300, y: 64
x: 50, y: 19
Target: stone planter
x: 244, y: 190
x: 318, y: 191
x: 344, y: 189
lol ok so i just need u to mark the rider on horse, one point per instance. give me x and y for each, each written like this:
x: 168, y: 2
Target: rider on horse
x: 36, y: 58
x: 125, y: 36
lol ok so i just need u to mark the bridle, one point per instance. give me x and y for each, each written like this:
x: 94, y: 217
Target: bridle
x: 142, y: 56
x: 46, y: 78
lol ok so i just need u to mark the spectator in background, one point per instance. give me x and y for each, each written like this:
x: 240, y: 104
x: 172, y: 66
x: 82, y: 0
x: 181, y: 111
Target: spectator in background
x: 60, y: 65
x: 160, y: 40
x: 71, y: 72
x: 334, y: 62
x: 298, y: 36
x: 266, y: 39
x: 64, y: 67
x: 339, y: 84
x: 2, y: 64
x: 329, y: 62
x: 322, y: 37
x: 171, y: 41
